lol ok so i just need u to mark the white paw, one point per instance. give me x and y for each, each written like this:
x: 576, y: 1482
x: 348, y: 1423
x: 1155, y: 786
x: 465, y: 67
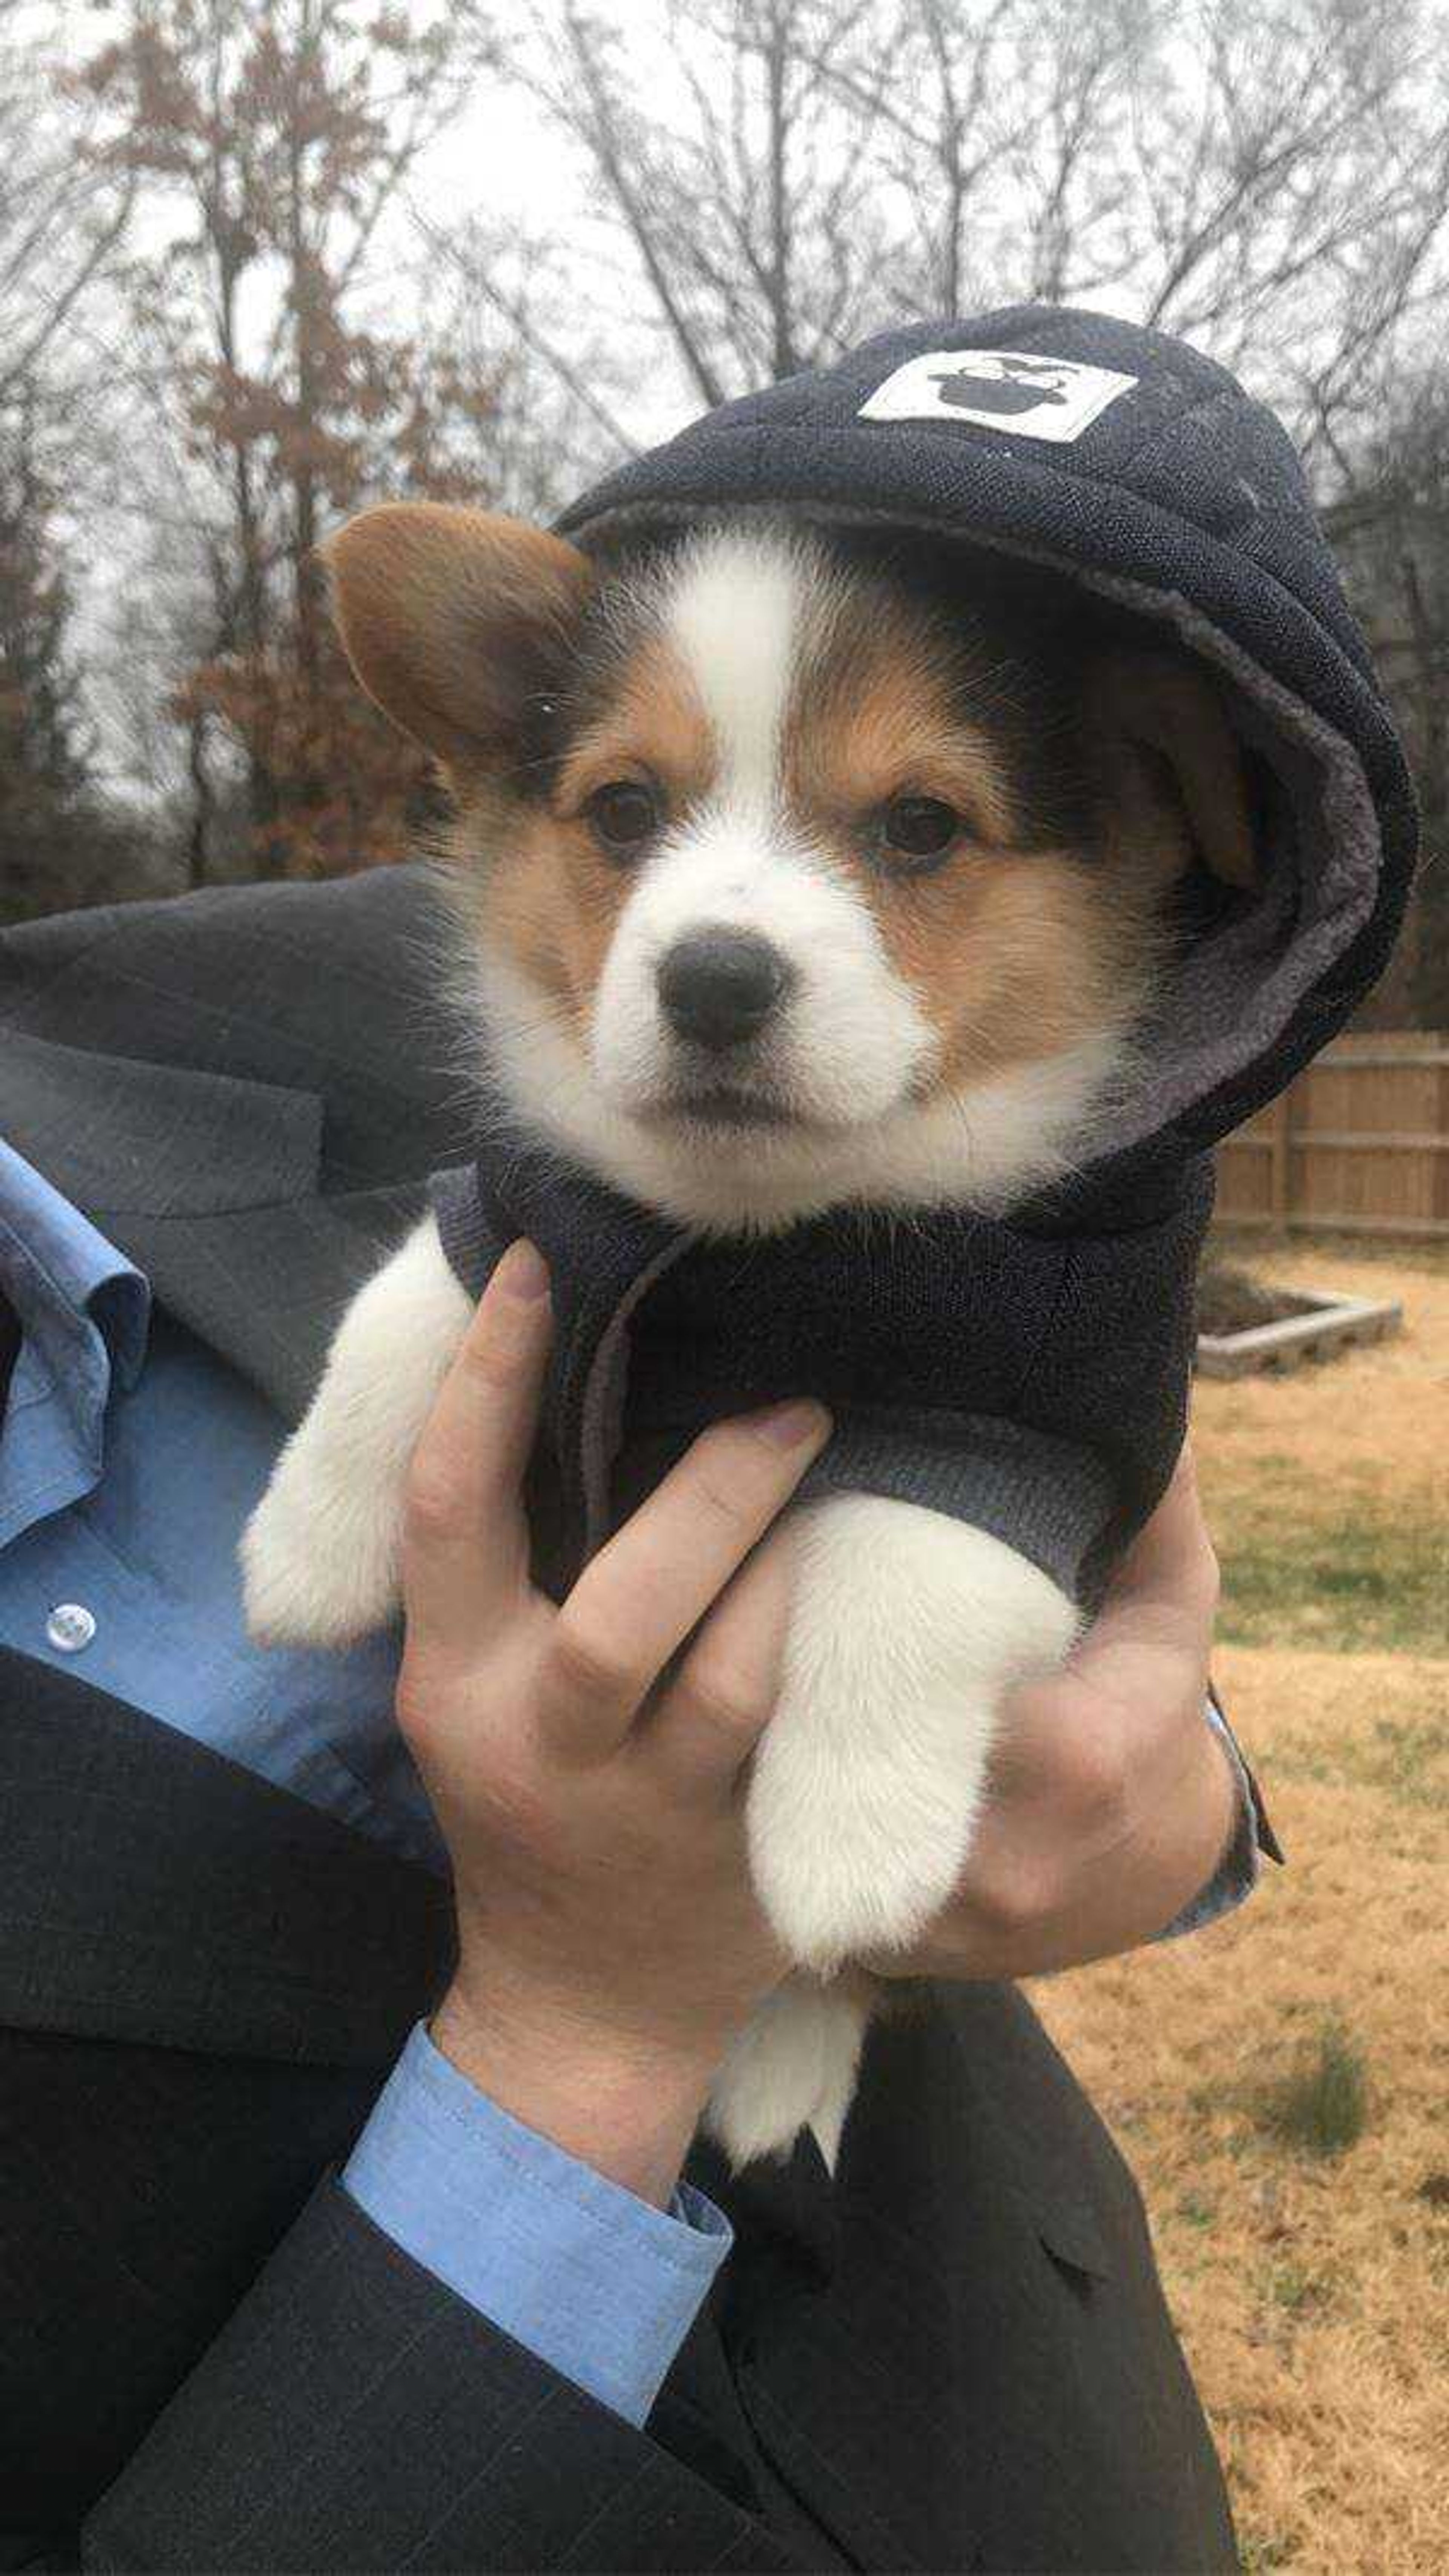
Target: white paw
x: 906, y: 1630
x: 792, y: 2067
x: 319, y: 1565
x: 857, y: 1857
x: 321, y: 1554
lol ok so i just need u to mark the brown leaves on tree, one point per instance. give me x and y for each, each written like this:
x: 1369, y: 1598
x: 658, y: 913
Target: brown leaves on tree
x: 277, y: 135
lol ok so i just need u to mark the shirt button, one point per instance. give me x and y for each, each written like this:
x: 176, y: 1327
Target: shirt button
x: 70, y: 1626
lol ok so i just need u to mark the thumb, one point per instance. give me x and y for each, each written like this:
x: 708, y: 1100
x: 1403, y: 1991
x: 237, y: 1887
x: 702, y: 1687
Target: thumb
x: 1167, y: 1583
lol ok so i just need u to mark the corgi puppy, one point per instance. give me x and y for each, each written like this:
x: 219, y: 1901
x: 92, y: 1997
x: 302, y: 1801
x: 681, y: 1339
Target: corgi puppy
x: 792, y: 869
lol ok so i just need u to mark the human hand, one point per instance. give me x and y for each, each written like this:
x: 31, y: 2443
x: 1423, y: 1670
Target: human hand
x: 1112, y: 1799
x: 584, y: 1770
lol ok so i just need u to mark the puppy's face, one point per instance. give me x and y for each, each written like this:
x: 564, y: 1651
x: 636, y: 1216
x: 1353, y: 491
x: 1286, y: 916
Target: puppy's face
x: 790, y: 878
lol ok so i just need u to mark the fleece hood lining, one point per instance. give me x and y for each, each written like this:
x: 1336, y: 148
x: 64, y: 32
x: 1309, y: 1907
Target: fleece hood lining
x: 1239, y: 984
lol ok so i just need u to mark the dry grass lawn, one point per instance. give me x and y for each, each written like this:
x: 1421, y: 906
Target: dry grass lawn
x: 1312, y: 2287
x: 1328, y: 1490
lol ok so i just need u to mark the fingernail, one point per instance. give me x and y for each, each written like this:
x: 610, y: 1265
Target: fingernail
x: 523, y: 1272
x: 789, y: 1426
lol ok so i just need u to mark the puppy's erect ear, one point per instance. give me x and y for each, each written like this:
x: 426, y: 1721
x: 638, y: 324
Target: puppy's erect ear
x: 1171, y: 709
x: 454, y: 619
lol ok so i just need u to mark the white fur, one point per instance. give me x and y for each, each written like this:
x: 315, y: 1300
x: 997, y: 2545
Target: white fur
x: 320, y: 1554
x: 906, y: 1629
x: 736, y: 615
x: 792, y: 2067
x: 743, y: 613
x: 852, y: 1038
x: 980, y: 1146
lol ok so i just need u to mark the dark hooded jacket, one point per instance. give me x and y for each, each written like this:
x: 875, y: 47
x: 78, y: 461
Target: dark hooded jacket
x: 1028, y: 1374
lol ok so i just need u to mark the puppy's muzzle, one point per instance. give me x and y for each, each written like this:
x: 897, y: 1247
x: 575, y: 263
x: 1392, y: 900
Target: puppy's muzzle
x: 720, y: 988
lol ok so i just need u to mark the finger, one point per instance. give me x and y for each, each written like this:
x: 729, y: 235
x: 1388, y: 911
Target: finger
x: 633, y: 1607
x: 1152, y: 1637
x: 465, y: 1541
x: 707, y: 1722
x: 1078, y: 1872
x: 1171, y: 1565
x: 1077, y: 1748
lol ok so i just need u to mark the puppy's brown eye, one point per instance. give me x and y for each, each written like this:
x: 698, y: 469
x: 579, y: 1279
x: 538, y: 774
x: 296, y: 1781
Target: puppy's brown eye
x: 623, y: 814
x: 919, y: 828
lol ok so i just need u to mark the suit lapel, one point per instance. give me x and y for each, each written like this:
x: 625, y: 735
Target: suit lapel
x: 244, y: 1093
x: 267, y: 1286
x: 153, y: 1891
x: 212, y: 1187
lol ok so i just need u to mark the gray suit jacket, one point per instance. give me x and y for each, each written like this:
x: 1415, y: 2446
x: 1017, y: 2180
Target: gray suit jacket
x: 958, y: 2356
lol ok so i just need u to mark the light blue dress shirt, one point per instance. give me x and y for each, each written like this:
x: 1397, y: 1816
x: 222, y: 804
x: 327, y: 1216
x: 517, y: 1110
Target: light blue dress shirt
x: 130, y: 1455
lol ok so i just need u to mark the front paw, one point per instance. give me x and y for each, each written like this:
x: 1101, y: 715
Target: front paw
x: 906, y: 1632
x: 792, y: 2067
x: 854, y: 1856
x: 319, y: 1567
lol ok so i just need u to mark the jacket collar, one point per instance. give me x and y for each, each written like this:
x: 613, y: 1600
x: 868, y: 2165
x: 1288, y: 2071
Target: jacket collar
x: 244, y: 1090
x: 876, y: 1315
x: 55, y: 1265
x: 212, y: 1185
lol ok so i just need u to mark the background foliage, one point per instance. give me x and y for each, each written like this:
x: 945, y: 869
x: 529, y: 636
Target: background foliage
x: 264, y: 260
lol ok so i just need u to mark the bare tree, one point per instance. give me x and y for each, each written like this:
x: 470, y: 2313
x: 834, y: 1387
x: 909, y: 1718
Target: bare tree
x: 63, y: 219
x: 1391, y: 529
x: 1269, y: 177
x: 992, y: 126
x: 1295, y: 181
x: 63, y: 208
x: 271, y: 141
x: 746, y: 191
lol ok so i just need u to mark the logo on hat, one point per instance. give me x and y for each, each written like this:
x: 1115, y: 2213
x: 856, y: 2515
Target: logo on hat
x: 1006, y: 389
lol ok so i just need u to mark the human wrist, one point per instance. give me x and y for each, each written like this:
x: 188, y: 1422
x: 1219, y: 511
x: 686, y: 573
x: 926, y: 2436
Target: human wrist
x: 1208, y: 1807
x: 625, y: 2103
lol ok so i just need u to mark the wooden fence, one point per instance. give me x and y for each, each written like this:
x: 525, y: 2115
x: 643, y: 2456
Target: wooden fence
x: 1360, y: 1143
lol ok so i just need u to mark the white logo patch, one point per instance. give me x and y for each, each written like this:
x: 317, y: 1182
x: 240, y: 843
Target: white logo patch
x: 1028, y: 396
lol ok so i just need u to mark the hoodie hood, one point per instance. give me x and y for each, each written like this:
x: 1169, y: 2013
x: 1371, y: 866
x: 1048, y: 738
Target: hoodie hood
x: 1142, y: 469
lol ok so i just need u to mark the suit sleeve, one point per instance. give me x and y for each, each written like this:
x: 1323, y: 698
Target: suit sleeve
x: 355, y: 2414
x: 570, y: 2264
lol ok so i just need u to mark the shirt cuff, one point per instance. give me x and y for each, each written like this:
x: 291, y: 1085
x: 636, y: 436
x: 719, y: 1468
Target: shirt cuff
x: 1236, y: 1875
x: 596, y: 2282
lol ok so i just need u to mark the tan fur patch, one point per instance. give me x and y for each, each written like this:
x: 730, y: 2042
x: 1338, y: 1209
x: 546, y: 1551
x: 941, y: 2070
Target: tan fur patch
x: 1013, y: 957
x: 1013, y: 953
x: 876, y: 721
x: 552, y: 896
x: 656, y: 729
x: 548, y: 899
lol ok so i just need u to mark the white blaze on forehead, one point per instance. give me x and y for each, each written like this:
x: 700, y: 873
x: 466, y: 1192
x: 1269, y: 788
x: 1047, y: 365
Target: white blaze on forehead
x: 736, y: 617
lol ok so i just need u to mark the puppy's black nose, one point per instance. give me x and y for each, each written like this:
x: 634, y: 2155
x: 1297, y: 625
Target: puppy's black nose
x: 718, y: 987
